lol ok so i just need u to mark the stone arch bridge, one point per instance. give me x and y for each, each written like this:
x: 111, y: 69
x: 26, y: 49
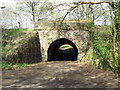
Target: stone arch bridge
x: 51, y: 38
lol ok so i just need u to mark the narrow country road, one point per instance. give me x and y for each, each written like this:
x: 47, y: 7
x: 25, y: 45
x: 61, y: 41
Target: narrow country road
x: 59, y: 74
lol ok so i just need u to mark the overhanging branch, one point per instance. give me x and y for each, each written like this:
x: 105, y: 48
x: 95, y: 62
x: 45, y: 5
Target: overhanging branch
x: 89, y: 3
x: 78, y: 4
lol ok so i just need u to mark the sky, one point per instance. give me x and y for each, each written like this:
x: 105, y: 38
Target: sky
x: 6, y: 2
x: 9, y: 2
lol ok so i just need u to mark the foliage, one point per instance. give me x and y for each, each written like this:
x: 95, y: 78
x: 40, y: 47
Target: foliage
x: 89, y: 25
x: 105, y: 40
x: 116, y: 9
x: 117, y: 22
x: 102, y: 53
x: 103, y: 50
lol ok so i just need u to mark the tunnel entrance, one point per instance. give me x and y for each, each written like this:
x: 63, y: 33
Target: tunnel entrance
x: 62, y: 49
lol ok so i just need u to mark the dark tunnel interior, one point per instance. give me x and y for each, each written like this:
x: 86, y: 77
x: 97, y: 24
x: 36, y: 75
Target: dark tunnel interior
x: 56, y: 54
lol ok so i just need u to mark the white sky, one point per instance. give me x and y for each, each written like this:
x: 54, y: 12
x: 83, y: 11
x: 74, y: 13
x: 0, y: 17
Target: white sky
x: 12, y: 2
x: 6, y: 2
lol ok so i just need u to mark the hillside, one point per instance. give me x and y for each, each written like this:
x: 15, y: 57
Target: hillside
x: 20, y: 46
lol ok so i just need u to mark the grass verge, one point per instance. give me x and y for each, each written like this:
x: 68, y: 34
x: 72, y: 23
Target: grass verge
x: 6, y: 65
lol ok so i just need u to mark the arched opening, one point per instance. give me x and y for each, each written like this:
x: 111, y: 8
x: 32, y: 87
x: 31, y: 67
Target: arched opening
x: 62, y: 49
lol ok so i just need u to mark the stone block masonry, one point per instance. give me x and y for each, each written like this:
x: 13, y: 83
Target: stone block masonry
x: 55, y: 35
x: 79, y: 38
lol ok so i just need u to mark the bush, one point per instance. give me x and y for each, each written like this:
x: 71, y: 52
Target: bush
x: 103, y: 54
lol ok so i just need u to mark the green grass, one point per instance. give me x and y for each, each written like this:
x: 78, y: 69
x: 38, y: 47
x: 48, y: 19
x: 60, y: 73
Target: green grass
x: 6, y: 65
x: 13, y: 32
x: 22, y: 65
x: 65, y: 46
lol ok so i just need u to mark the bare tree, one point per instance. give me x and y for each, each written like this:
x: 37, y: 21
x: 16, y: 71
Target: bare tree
x: 87, y: 10
x: 35, y: 8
